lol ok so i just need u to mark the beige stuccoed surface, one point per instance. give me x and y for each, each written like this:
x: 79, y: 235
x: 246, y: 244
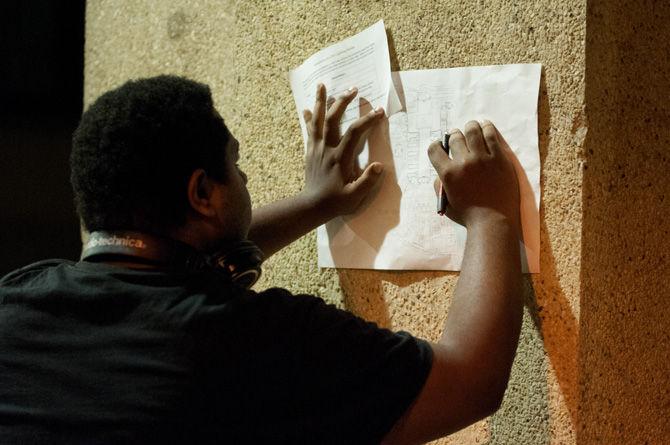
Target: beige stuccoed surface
x: 624, y: 370
x: 244, y: 50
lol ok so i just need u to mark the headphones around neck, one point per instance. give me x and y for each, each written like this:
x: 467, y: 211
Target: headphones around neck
x: 241, y: 263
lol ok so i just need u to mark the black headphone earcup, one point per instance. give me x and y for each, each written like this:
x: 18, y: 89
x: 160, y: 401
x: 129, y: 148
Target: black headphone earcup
x: 241, y: 262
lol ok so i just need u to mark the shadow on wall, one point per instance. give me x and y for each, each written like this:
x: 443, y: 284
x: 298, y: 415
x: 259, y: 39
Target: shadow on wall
x: 625, y: 329
x: 40, y: 105
x: 554, y: 315
x: 381, y: 210
x: 551, y: 338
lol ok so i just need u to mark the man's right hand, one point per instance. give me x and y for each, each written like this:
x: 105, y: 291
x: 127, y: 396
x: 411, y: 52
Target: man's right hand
x: 480, y: 181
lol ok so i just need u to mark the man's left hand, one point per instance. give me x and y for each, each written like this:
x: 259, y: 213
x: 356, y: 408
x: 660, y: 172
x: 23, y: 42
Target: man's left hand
x: 333, y: 181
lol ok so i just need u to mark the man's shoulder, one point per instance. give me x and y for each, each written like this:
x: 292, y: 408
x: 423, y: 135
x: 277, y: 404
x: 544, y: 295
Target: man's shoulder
x: 32, y: 270
x: 286, y: 295
x: 278, y: 296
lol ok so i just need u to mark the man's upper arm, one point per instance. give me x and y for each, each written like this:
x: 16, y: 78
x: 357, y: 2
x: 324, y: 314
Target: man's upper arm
x: 452, y: 398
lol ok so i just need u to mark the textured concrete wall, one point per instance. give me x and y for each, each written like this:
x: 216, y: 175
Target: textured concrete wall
x: 244, y: 51
x: 624, y: 369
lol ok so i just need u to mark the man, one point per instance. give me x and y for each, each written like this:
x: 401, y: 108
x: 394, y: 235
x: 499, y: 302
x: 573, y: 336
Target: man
x: 151, y: 340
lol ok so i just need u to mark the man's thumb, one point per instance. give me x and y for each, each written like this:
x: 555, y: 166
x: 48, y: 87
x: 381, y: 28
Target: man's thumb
x: 366, y: 181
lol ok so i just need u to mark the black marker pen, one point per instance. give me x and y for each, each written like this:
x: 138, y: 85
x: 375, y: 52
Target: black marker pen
x: 442, y: 201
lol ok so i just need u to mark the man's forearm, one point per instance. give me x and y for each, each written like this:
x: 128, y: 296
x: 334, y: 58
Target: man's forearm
x: 276, y: 225
x: 485, y: 315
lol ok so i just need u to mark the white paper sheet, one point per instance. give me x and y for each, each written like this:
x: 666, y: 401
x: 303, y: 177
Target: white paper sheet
x: 361, y: 61
x: 399, y: 228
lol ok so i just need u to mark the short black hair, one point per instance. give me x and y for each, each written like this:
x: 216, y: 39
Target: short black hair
x: 135, y: 149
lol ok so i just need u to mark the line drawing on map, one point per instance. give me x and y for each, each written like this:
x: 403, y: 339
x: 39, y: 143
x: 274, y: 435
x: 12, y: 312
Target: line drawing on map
x: 428, y: 111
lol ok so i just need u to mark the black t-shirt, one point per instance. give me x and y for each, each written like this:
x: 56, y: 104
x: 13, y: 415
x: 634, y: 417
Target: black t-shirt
x: 93, y: 353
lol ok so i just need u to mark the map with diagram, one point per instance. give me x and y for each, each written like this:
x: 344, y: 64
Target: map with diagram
x: 400, y: 227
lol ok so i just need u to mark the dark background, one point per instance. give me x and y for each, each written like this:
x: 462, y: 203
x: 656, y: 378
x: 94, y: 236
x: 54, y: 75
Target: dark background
x: 41, y: 90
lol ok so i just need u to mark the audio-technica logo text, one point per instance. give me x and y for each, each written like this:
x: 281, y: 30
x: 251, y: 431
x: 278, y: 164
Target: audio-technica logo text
x: 115, y: 241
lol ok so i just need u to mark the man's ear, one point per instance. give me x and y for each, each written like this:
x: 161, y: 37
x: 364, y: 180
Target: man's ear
x: 201, y: 192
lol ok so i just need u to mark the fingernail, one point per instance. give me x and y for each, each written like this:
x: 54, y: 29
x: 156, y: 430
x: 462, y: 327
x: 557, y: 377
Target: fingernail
x: 486, y: 122
x: 379, y: 110
x: 453, y: 130
x: 377, y: 168
x: 319, y: 87
x: 352, y: 90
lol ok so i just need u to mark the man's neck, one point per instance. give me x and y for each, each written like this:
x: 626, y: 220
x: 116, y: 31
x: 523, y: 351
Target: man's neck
x: 132, y: 265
